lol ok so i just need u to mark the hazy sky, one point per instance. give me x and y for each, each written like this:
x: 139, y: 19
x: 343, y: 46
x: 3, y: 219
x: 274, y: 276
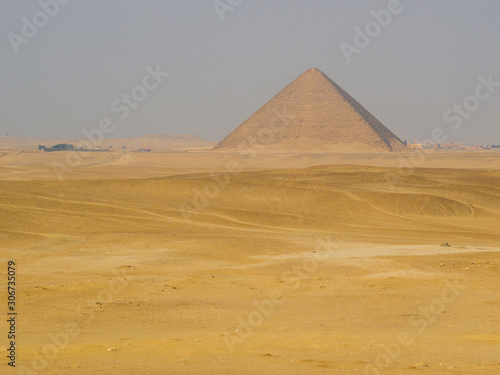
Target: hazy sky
x: 89, y: 53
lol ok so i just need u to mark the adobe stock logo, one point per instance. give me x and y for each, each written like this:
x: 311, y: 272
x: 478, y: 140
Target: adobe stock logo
x: 31, y: 27
x: 460, y: 112
x: 222, y: 7
x: 372, y: 29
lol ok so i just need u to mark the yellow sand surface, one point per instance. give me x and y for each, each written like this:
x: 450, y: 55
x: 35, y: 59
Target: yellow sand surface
x: 220, y: 263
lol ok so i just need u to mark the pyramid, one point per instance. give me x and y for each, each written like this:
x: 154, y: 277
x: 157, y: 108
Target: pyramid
x: 312, y: 114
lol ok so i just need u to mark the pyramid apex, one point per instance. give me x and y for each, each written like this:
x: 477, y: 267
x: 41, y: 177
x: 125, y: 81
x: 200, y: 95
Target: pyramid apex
x: 313, y: 70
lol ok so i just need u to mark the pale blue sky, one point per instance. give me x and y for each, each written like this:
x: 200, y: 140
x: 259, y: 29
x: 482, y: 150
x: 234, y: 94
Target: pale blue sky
x: 91, y: 52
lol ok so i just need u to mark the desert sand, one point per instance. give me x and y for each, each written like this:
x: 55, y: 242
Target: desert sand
x: 221, y: 263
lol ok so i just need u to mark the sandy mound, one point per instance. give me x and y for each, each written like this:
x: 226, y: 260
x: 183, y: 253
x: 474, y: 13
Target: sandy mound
x: 349, y: 201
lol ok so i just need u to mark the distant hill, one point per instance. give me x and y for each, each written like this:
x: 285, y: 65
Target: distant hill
x: 155, y: 141
x: 312, y: 114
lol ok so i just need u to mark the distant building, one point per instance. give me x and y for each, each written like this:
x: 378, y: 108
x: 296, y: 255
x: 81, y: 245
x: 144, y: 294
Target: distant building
x: 67, y: 147
x: 449, y: 146
x: 452, y: 145
x: 58, y: 147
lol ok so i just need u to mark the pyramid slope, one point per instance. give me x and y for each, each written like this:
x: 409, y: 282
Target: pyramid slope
x: 312, y: 114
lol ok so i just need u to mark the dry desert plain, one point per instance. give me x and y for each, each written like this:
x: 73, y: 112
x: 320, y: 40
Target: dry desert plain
x: 220, y: 263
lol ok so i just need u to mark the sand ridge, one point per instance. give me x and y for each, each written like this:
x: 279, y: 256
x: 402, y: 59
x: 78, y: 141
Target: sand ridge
x: 153, y: 141
x: 38, y: 165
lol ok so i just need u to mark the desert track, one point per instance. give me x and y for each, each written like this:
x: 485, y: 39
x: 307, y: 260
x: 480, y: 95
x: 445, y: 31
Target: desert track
x: 318, y: 200
x: 36, y: 165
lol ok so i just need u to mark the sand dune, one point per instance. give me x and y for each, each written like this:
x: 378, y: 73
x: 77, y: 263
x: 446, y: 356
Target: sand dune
x: 163, y: 274
x: 346, y: 201
x: 38, y: 165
